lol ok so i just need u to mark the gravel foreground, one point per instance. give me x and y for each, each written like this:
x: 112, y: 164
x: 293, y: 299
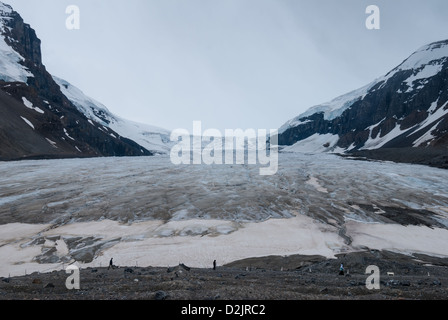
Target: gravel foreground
x: 416, y: 277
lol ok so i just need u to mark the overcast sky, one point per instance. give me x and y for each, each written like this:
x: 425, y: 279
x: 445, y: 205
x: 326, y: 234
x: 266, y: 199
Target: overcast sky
x: 229, y: 63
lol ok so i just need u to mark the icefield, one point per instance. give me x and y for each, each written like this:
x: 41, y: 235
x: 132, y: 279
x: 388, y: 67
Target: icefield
x: 146, y: 211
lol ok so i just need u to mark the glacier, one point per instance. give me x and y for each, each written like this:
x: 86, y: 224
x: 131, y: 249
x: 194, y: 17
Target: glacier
x: 148, y: 211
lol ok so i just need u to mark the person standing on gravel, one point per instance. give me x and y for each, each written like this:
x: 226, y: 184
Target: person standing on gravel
x: 111, y: 264
x: 341, y: 270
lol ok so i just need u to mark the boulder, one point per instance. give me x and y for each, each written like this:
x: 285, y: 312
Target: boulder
x: 160, y: 295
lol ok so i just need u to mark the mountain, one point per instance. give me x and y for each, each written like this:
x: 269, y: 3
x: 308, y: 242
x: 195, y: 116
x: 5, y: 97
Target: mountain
x: 401, y: 116
x: 41, y: 120
x: 150, y: 137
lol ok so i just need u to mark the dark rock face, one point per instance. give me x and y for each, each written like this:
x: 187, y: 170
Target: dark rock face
x: 26, y: 43
x: 385, y: 106
x: 60, y: 130
x: 23, y: 39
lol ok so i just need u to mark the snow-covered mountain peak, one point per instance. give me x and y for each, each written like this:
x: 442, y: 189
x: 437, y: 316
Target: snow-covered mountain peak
x: 434, y: 53
x: 405, y: 108
x: 425, y: 63
x: 91, y: 108
x: 5, y: 9
x: 45, y: 117
x: 332, y: 109
x: 150, y: 137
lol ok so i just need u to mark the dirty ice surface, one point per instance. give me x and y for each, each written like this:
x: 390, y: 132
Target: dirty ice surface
x: 146, y: 211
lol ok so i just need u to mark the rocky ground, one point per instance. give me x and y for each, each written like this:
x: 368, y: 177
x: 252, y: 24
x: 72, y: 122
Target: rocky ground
x: 270, y: 278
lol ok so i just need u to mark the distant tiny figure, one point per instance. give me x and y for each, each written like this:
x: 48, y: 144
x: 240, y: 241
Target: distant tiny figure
x: 214, y: 265
x: 341, y: 270
x: 111, y: 264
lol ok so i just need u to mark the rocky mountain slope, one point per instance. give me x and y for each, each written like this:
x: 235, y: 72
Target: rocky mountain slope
x: 39, y: 120
x: 403, y: 110
x: 152, y: 138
